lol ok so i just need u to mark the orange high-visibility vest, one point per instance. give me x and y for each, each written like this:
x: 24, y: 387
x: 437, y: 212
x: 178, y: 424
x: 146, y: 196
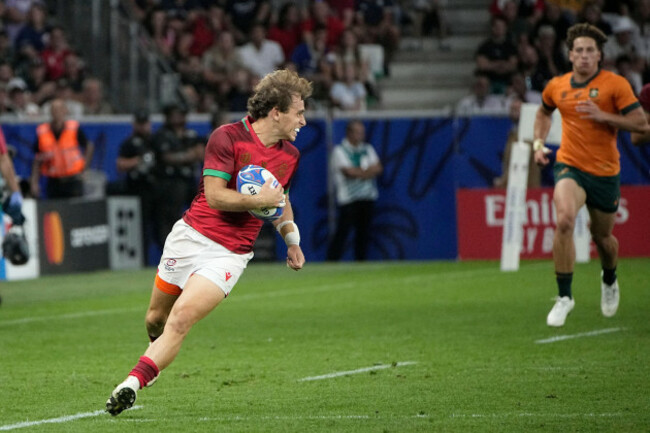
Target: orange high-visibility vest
x: 63, y: 156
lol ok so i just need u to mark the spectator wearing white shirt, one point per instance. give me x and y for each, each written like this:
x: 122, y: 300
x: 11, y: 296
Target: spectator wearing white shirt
x: 349, y: 93
x: 261, y: 56
x: 624, y: 42
x: 481, y: 101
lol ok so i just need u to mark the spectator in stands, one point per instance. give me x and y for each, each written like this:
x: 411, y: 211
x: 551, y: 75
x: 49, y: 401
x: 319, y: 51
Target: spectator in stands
x: 6, y: 72
x: 536, y: 77
x: 379, y: 26
x: 555, y: 17
x: 35, y: 30
x: 519, y: 89
x: 624, y: 42
x: 343, y: 10
x: 308, y: 54
x: 592, y: 14
x: 286, y: 31
x: 5, y: 104
x: 625, y: 68
x: 320, y: 16
x: 63, y: 91
x: 15, y: 15
x: 206, y: 28
x: 517, y: 25
x: 20, y: 99
x: 261, y: 56
x: 74, y: 72
x: 6, y: 49
x: 40, y: 89
x: 349, y: 51
x: 92, y: 98
x: 55, y: 52
x: 177, y: 152
x: 221, y: 60
x: 238, y: 90
x: 552, y: 61
x: 348, y: 92
x: 136, y: 159
x: 480, y: 100
x: 162, y: 31
x: 355, y: 167
x: 61, y: 155
x: 244, y: 14
x: 497, y: 56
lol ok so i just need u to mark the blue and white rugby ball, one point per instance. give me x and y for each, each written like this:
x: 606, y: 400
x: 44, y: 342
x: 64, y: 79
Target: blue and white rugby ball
x: 249, y: 181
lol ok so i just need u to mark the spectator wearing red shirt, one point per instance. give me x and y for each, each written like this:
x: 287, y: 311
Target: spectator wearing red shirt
x: 286, y: 31
x: 55, y: 53
x: 321, y: 16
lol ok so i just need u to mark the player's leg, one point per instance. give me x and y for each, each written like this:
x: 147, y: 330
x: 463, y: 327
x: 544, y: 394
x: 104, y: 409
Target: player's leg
x: 568, y: 197
x: 163, y: 297
x: 362, y: 220
x: 199, y: 297
x: 602, y: 226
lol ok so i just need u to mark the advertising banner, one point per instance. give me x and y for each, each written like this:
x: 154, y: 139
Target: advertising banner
x: 73, y: 236
x: 481, y: 215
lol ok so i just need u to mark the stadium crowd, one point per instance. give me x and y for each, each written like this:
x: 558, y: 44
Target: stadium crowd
x: 525, y: 48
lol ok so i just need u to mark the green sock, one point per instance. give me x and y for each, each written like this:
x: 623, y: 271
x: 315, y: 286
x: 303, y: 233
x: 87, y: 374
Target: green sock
x: 564, y: 283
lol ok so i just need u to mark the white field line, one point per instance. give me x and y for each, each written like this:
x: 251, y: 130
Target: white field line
x: 357, y: 371
x: 580, y: 335
x: 59, y: 420
x: 253, y: 296
x: 91, y: 313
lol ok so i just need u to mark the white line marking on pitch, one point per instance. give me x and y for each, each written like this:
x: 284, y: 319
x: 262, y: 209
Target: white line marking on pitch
x: 58, y: 420
x: 357, y: 371
x: 582, y: 334
x: 68, y: 316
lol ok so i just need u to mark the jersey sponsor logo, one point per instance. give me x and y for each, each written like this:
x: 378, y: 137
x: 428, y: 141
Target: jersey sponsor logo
x: 169, y: 264
x: 593, y: 93
x: 564, y: 94
x: 263, y: 164
x: 228, y: 276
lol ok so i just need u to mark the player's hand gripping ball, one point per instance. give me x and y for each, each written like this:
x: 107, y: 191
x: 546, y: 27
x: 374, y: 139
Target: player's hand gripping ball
x: 249, y: 181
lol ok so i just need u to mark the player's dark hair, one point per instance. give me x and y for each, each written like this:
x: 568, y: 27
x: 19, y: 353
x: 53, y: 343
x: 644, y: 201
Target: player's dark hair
x: 276, y: 90
x: 585, y: 30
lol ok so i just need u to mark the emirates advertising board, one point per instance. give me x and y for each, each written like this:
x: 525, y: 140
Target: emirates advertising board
x: 481, y: 214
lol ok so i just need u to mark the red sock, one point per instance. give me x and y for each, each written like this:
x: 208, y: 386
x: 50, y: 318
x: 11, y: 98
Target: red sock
x: 145, y: 370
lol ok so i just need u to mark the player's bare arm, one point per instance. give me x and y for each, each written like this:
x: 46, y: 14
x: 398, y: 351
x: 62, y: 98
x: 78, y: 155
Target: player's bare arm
x: 542, y: 127
x: 634, y: 121
x: 639, y: 138
x: 289, y: 232
x: 220, y: 197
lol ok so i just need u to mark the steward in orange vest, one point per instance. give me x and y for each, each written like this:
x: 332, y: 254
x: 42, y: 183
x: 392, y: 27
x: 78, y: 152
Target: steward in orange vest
x: 61, y: 151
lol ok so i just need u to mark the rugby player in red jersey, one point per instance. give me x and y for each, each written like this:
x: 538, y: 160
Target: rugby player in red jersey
x: 209, y: 247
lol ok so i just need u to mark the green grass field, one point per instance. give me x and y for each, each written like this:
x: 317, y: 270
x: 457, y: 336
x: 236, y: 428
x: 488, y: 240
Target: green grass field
x: 455, y: 347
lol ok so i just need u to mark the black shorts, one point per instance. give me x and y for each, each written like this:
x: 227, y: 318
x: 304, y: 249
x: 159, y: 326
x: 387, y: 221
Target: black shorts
x: 603, y: 192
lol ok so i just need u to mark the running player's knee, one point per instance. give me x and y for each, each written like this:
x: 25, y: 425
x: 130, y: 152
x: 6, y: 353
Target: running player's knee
x: 155, y: 322
x: 180, y: 323
x: 565, y: 223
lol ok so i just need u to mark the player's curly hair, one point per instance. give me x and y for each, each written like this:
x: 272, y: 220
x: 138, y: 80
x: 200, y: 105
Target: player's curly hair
x: 585, y: 30
x: 276, y: 90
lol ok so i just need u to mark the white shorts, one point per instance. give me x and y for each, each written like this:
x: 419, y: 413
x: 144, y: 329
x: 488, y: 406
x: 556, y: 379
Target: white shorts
x: 188, y: 252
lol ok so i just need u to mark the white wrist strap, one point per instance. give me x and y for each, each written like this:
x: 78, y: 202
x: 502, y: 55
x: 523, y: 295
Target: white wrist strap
x: 291, y: 238
x: 538, y: 144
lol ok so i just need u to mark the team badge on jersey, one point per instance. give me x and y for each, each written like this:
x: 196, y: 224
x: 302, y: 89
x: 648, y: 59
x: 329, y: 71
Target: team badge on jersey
x: 593, y: 93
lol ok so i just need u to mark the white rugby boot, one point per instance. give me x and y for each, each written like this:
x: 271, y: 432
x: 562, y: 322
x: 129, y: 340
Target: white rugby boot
x: 557, y: 316
x: 609, y: 297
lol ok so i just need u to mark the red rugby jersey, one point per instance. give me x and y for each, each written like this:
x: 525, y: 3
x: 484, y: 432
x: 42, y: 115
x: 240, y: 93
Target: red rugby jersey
x: 231, y: 147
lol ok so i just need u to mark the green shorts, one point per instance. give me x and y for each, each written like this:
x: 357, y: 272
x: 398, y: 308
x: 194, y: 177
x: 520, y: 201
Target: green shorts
x: 603, y: 192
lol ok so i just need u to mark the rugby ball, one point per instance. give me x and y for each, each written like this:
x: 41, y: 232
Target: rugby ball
x: 249, y: 181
